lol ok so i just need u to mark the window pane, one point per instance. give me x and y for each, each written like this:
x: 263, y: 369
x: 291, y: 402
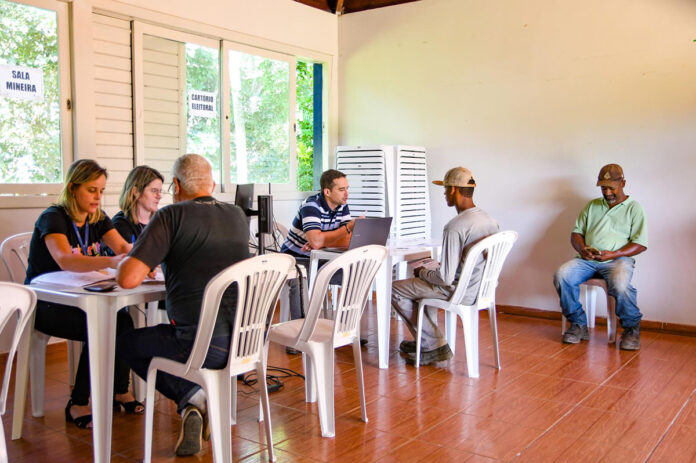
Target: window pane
x: 30, y: 143
x: 259, y: 129
x: 203, y: 128
x: 181, y: 102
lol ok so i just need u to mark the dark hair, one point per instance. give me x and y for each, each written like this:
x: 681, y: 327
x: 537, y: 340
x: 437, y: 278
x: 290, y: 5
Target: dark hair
x: 465, y: 191
x: 327, y: 178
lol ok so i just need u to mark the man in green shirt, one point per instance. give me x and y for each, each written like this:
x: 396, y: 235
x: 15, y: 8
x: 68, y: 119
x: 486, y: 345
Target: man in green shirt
x: 608, y: 232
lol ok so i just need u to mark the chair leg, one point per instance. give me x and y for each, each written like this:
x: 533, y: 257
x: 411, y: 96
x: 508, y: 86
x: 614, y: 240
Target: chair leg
x: 492, y: 317
x: 149, y: 413
x: 611, y: 319
x: 324, y: 376
x: 470, y: 320
x: 357, y: 359
x: 419, y: 331
x: 3, y: 445
x: 37, y: 371
x: 260, y: 373
x: 218, y: 416
x: 284, y: 303
x: 564, y: 323
x: 310, y: 384
x: 590, y: 304
x: 233, y: 398
x: 74, y: 351
x: 451, y: 329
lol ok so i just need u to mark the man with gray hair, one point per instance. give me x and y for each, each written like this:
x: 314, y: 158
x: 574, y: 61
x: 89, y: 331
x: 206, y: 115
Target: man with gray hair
x: 469, y: 226
x: 194, y: 239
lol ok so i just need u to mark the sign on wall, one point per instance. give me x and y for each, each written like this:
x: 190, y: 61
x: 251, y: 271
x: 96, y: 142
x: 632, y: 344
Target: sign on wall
x: 202, y: 104
x: 21, y: 82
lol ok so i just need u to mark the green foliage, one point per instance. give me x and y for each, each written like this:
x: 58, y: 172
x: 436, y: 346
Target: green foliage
x: 305, y: 126
x: 30, y: 147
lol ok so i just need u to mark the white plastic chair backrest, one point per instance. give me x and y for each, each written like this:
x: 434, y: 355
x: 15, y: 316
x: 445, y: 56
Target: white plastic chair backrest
x: 259, y: 280
x: 494, y: 249
x: 15, y: 255
x: 359, y: 268
x: 16, y: 302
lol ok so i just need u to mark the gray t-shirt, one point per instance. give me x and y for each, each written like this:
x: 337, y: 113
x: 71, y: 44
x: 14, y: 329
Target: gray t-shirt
x: 462, y: 232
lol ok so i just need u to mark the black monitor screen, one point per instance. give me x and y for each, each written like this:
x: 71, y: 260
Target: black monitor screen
x: 245, y: 196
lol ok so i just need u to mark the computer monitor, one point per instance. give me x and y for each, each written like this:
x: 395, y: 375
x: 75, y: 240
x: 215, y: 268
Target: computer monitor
x: 245, y: 197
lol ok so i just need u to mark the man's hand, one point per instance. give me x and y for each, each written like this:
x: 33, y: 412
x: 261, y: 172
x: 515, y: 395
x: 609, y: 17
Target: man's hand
x: 307, y: 247
x: 606, y: 255
x: 589, y: 253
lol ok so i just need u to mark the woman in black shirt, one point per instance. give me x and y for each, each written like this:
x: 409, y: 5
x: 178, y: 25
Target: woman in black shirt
x: 139, y: 199
x: 67, y: 236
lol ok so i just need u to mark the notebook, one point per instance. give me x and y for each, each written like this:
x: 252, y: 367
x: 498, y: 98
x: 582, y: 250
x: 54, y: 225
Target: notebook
x: 367, y: 231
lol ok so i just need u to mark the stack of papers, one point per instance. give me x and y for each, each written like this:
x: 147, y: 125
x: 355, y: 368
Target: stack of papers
x: 73, y: 279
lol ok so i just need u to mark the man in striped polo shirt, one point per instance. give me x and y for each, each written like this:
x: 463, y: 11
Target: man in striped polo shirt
x: 322, y: 221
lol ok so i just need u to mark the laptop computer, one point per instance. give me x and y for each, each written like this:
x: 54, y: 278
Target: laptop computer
x: 367, y: 231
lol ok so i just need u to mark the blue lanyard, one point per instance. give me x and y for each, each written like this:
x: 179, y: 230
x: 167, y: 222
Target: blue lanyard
x: 83, y: 244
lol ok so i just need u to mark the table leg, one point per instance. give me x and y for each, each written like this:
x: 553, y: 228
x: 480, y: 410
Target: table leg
x: 21, y: 377
x: 383, y: 278
x: 101, y: 332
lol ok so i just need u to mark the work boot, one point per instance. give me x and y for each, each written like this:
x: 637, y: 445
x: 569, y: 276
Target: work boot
x: 190, y: 432
x: 630, y: 338
x: 407, y: 347
x: 439, y: 354
x: 575, y: 334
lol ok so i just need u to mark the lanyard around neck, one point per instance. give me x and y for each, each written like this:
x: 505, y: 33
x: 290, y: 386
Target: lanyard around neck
x: 83, y: 244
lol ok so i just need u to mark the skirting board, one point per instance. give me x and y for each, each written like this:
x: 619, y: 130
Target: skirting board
x: 664, y: 327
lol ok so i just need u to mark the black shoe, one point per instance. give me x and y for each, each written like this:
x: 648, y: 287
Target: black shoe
x: 292, y: 351
x: 427, y: 357
x: 81, y: 422
x: 630, y: 338
x: 575, y: 334
x: 407, y: 347
x: 190, y: 433
x: 363, y: 341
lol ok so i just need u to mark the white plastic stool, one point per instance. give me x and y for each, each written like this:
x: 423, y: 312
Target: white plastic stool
x: 592, y: 287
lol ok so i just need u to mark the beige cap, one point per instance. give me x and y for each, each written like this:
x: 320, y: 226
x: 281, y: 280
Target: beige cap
x: 610, y: 175
x: 457, y: 176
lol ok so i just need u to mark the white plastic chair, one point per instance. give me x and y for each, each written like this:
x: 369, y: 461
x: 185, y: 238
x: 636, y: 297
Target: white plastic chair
x: 592, y: 287
x: 258, y: 285
x: 494, y: 249
x: 15, y: 255
x: 16, y: 302
x: 317, y: 337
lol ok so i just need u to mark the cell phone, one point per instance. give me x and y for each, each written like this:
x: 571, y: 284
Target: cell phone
x: 102, y: 286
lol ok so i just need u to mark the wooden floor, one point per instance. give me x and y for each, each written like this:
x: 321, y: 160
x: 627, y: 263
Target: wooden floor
x: 550, y: 402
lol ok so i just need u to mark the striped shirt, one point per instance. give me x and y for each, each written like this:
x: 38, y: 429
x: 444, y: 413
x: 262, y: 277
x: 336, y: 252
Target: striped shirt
x: 314, y: 214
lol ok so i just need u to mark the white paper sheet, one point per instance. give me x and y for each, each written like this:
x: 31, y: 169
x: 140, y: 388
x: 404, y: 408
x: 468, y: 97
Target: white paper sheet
x: 75, y: 279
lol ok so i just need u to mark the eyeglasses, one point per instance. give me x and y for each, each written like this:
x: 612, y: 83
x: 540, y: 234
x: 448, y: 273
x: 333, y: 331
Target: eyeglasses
x: 155, y: 191
x: 170, y: 190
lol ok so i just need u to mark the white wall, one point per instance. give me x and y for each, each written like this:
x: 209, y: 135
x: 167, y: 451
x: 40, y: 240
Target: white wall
x: 535, y: 96
x: 279, y: 25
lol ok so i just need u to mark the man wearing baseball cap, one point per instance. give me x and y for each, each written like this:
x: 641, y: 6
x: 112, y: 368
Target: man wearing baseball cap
x: 469, y: 226
x: 608, y: 232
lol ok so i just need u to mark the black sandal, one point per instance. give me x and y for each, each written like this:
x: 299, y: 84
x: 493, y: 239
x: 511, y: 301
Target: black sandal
x: 130, y: 407
x: 81, y: 421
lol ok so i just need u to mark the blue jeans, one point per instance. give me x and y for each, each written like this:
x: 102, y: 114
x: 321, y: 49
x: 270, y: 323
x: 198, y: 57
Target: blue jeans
x: 616, y: 273
x: 138, y: 347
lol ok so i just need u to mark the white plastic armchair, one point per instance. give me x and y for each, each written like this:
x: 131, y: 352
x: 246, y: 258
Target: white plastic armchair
x: 258, y: 285
x: 15, y: 255
x: 494, y: 250
x: 317, y: 338
x: 16, y: 302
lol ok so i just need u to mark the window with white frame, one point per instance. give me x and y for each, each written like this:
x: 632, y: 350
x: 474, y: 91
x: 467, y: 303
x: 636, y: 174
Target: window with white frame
x: 235, y: 104
x: 35, y: 123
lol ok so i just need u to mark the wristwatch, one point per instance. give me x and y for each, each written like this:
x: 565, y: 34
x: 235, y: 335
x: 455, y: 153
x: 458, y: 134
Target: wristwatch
x: 347, y: 229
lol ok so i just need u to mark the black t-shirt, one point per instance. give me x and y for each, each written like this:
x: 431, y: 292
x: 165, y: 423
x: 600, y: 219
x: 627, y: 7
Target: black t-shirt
x: 129, y: 230
x: 56, y: 220
x: 194, y: 241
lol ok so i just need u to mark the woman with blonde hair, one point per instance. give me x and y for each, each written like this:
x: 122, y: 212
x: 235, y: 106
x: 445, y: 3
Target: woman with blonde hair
x: 68, y: 236
x: 139, y: 199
